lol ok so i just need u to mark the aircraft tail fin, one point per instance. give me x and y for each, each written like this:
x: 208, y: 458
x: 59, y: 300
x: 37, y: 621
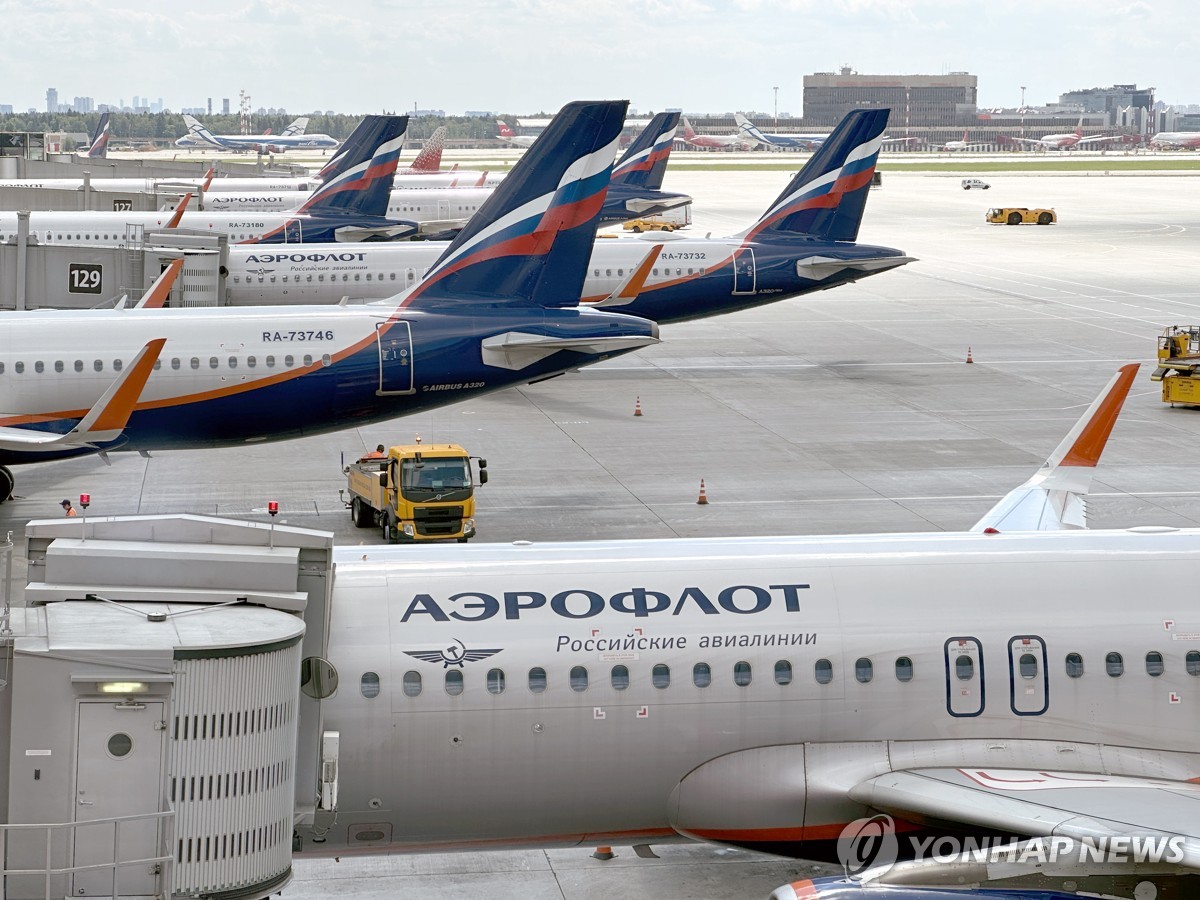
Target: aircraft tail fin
x: 504, y: 129
x: 430, y: 157
x: 352, y: 147
x: 1054, y: 498
x: 551, y: 199
x: 748, y: 129
x: 688, y: 131
x: 645, y: 161
x: 98, y: 148
x: 827, y: 197
x: 298, y: 127
x: 198, y: 132
x: 362, y: 184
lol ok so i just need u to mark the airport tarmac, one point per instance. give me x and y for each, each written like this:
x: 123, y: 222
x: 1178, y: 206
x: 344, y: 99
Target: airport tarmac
x: 851, y: 410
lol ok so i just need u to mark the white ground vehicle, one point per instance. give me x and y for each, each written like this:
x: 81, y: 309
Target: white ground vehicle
x: 968, y: 183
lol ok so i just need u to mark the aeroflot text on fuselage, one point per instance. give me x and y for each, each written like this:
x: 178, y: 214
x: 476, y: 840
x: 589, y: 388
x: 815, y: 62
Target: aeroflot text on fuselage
x: 580, y: 603
x: 305, y: 257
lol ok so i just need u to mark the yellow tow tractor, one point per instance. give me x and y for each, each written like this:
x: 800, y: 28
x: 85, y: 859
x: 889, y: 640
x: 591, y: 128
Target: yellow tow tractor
x: 1179, y: 364
x: 1019, y: 215
x: 415, y: 492
x: 637, y: 226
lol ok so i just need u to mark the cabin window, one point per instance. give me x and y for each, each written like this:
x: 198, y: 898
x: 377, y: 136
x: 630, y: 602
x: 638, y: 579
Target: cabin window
x: 78, y: 366
x: 1154, y: 664
x: 1027, y: 665
x: 213, y: 362
x: 537, y: 680
x: 608, y: 273
x: 964, y: 668
x: 270, y: 362
x: 308, y: 359
x: 412, y: 684
x: 579, y: 679
x: 620, y: 678
x: 783, y: 672
x: 1192, y: 662
x: 823, y: 670
x: 1074, y: 665
x: 157, y: 364
x: 117, y: 365
x: 326, y: 359
x: 864, y: 671
x: 904, y: 669
x: 454, y: 682
x: 495, y: 681
x: 1114, y: 665
x: 251, y: 362
x: 58, y: 365
x: 660, y: 676
x: 368, y: 685
x: 39, y: 367
x: 175, y: 362
x: 289, y: 361
x: 195, y: 363
x: 701, y: 675
x: 233, y: 362
x: 742, y: 675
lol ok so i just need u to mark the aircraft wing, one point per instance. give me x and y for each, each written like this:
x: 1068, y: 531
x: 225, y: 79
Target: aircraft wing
x: 1083, y: 807
x: 1054, y: 498
x: 104, y: 422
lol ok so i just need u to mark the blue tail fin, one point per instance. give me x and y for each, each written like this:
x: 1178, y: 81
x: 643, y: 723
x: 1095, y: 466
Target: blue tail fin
x: 363, y: 183
x: 645, y: 162
x: 826, y: 198
x: 352, y: 147
x: 98, y: 149
x: 529, y: 243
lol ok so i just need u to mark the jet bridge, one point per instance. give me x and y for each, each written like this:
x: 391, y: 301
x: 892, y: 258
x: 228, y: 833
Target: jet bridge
x: 160, y: 707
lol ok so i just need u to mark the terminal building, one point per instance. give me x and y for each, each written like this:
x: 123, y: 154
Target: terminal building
x: 915, y: 100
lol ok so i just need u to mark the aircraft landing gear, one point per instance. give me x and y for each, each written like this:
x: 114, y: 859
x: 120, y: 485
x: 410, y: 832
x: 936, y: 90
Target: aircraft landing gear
x: 6, y: 484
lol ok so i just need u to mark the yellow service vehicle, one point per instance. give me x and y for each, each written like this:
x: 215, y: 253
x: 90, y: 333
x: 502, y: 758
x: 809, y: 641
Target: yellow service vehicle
x: 1179, y: 364
x: 1019, y: 215
x: 637, y: 226
x: 415, y: 493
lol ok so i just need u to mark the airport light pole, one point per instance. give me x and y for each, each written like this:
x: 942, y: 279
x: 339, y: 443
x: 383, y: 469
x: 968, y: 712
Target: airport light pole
x: 776, y: 90
x: 1022, y: 96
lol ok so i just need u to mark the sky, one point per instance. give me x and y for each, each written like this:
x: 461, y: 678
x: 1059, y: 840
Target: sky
x: 530, y: 56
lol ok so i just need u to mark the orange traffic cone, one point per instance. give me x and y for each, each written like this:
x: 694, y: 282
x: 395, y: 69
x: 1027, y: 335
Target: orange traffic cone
x: 969, y: 360
x: 603, y: 853
x: 702, y: 500
x: 637, y: 407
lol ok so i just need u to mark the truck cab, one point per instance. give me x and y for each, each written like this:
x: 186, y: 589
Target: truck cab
x: 416, y: 493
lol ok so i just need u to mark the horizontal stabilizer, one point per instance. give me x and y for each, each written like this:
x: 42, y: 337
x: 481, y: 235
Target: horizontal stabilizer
x: 819, y: 267
x: 1054, y: 498
x: 349, y: 234
x: 104, y: 422
x: 516, y: 350
x: 656, y: 203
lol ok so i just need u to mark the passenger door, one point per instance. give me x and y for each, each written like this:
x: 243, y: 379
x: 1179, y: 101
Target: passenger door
x: 964, y: 677
x: 394, y: 340
x: 743, y: 270
x: 1028, y: 681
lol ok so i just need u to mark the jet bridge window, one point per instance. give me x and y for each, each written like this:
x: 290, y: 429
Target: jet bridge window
x: 1154, y: 664
x: 864, y: 670
x: 660, y: 676
x: 412, y: 684
x: 1192, y: 662
x: 823, y: 671
x: 904, y: 669
x: 783, y: 672
x: 1074, y: 664
x: 495, y: 681
x: 454, y: 682
x: 742, y: 675
x: 537, y: 680
x: 620, y: 678
x: 579, y: 679
x: 701, y: 675
x: 1114, y: 664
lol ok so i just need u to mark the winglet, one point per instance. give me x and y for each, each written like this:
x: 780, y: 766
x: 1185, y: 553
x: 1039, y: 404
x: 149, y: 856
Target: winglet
x: 173, y: 222
x: 157, y: 295
x: 111, y: 412
x: 629, y: 289
x: 208, y: 177
x: 1053, y: 498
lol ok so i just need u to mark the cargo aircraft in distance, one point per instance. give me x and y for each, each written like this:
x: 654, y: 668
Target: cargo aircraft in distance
x: 500, y: 307
x: 853, y: 698
x: 804, y: 241
x: 199, y: 136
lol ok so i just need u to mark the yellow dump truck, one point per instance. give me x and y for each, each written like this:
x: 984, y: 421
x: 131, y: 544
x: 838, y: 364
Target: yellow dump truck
x: 415, y: 492
x: 1019, y: 215
x: 1179, y: 365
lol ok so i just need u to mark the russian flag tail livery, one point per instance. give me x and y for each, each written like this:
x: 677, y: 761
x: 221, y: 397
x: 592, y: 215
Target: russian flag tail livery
x: 551, y: 199
x: 430, y: 157
x: 98, y: 149
x: 645, y: 162
x: 354, y: 147
x: 363, y: 184
x: 826, y: 198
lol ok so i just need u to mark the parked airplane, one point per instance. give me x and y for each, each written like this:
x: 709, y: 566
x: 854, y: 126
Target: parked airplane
x: 804, y: 242
x: 1176, y: 139
x: 349, y: 208
x: 1073, y: 140
x: 498, y: 308
x: 774, y: 692
x: 198, y: 135
x: 511, y: 137
x: 736, y: 141
x: 635, y: 190
x: 97, y: 147
x: 964, y: 144
x: 778, y: 141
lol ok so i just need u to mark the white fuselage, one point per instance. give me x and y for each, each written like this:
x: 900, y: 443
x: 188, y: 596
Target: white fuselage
x: 414, y: 204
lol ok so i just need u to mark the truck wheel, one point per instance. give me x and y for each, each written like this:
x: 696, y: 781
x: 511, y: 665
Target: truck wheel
x: 636, y: 229
x: 363, y: 515
x: 388, y: 522
x: 463, y: 540
x: 1014, y: 218
x: 1045, y: 218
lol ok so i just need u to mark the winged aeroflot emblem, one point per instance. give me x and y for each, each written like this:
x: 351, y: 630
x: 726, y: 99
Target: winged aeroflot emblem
x: 456, y: 654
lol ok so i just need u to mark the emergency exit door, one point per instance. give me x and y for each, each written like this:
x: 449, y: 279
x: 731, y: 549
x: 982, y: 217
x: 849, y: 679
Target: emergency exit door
x: 743, y: 270
x: 1028, y: 681
x: 118, y: 772
x: 395, y: 358
x: 964, y: 677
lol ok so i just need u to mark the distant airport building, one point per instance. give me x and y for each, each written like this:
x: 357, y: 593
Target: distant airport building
x: 52, y: 100
x: 915, y: 100
x: 1109, y: 100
